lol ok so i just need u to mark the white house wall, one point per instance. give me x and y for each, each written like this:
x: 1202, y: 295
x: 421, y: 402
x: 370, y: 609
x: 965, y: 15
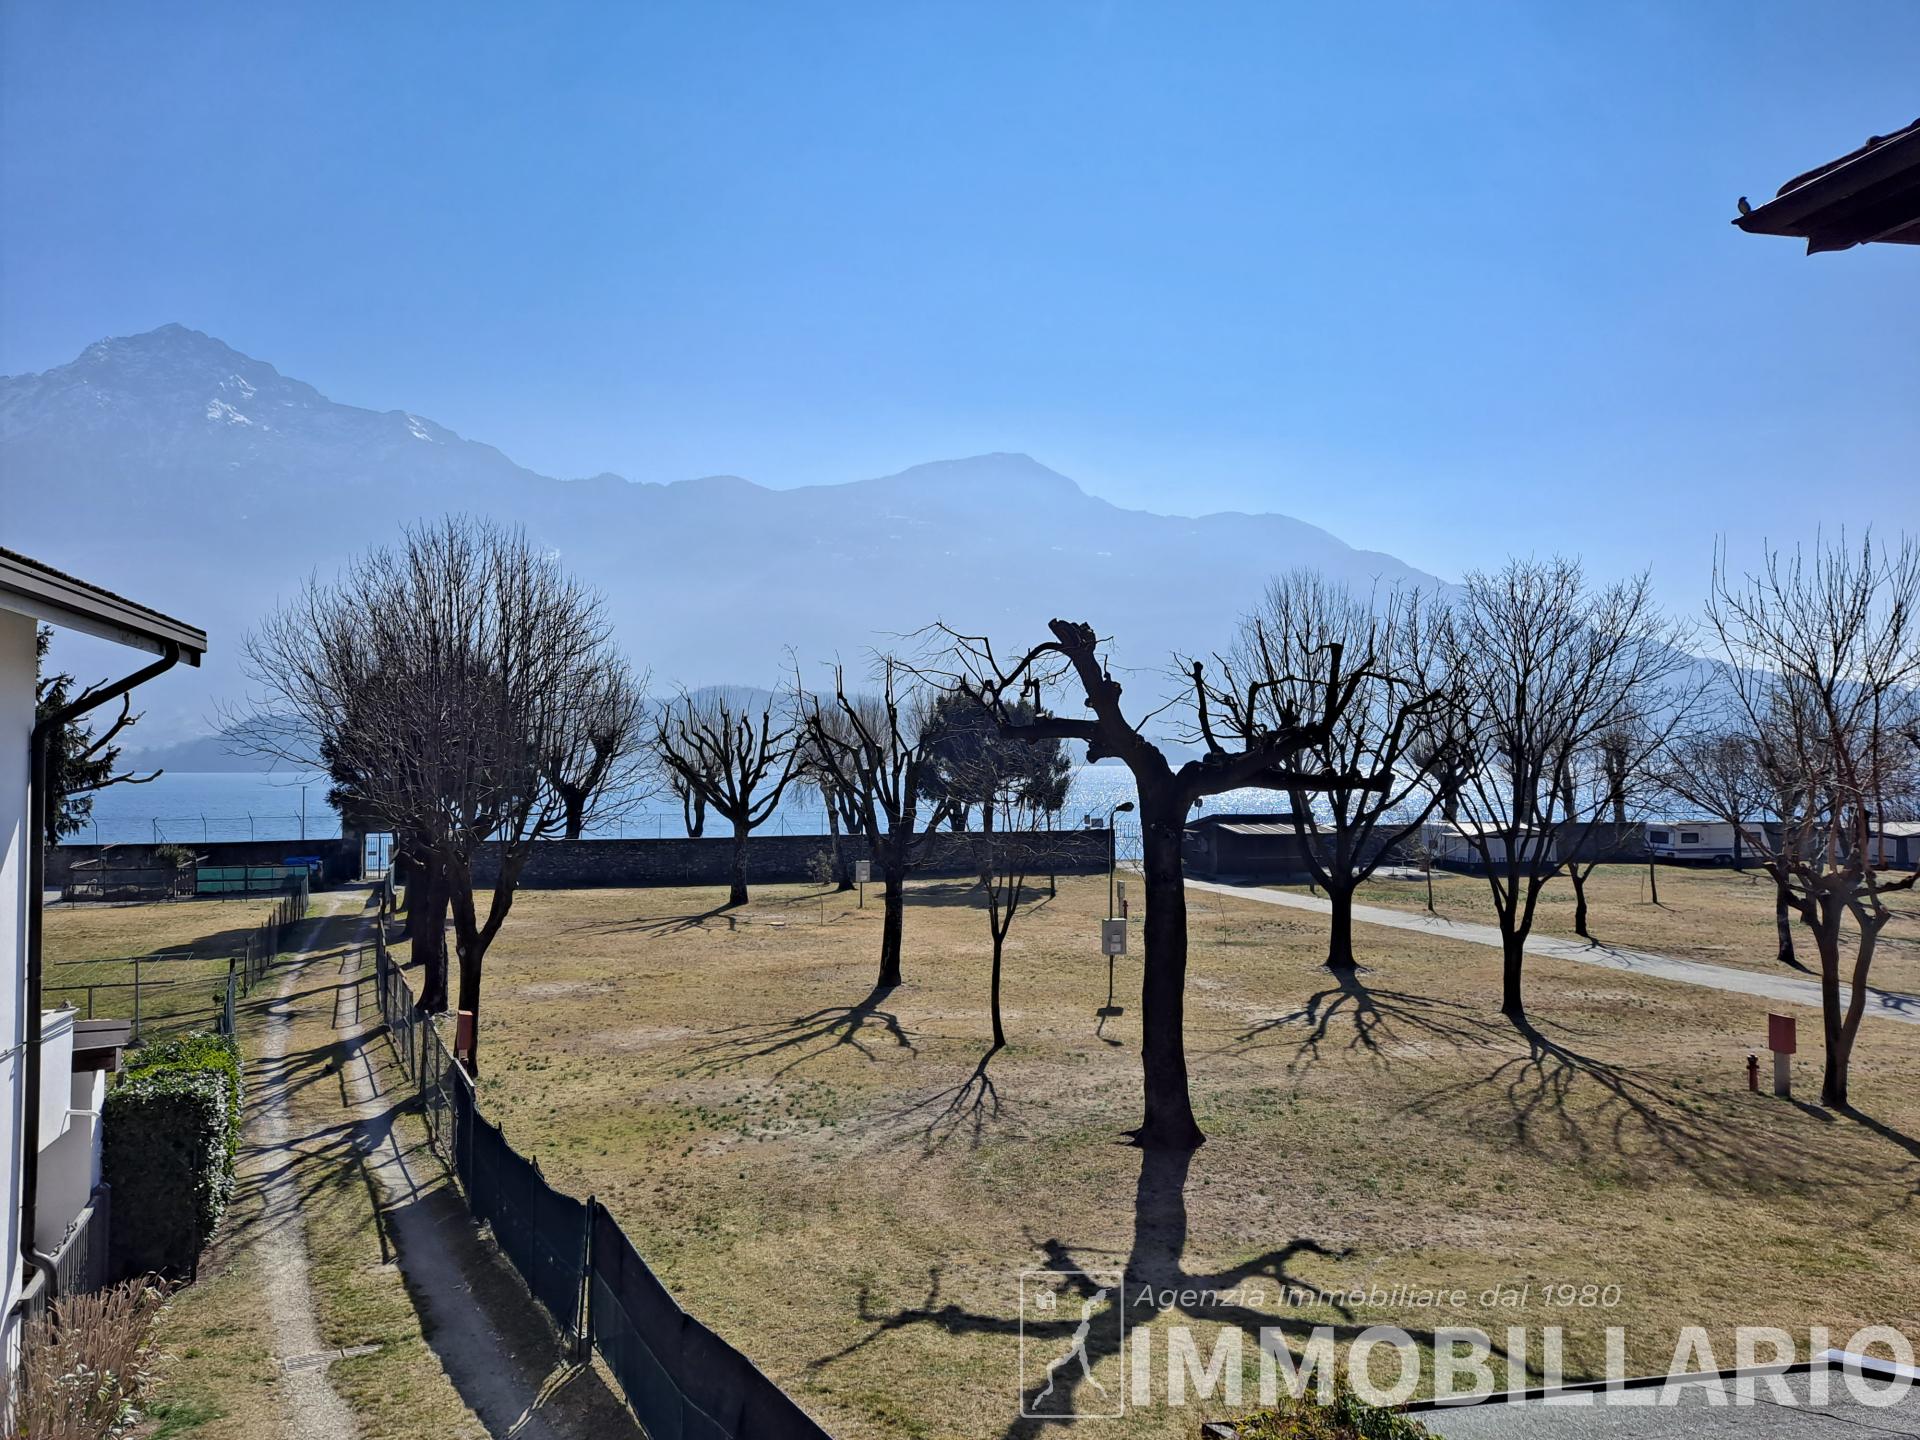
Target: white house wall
x: 17, y: 674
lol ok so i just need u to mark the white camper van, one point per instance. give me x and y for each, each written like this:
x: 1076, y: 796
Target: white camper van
x: 1701, y: 842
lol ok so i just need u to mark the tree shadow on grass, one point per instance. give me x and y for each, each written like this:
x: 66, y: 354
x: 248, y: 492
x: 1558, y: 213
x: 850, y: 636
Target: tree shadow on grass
x: 1909, y: 1170
x: 968, y: 1107
x: 1562, y: 1105
x: 1152, y: 1280
x: 968, y: 895
x: 803, y: 1038
x: 1382, y: 1025
x: 659, y: 926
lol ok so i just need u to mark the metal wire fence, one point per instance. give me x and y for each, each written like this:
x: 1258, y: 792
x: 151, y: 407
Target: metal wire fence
x: 247, y: 969
x: 683, y: 1381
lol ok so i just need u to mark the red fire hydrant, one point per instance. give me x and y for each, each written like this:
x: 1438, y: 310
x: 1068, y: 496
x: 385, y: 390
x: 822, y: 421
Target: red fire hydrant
x: 1753, y: 1072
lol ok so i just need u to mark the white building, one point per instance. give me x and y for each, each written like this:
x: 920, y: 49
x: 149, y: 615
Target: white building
x: 1895, y: 845
x: 54, y: 1069
x: 1469, y: 844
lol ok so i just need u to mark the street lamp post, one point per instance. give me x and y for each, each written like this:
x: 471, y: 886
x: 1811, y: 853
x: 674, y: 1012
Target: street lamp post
x: 1124, y: 807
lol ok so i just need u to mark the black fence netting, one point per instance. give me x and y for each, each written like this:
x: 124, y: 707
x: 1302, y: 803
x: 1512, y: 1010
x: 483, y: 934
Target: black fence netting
x: 543, y: 1232
x: 683, y: 1381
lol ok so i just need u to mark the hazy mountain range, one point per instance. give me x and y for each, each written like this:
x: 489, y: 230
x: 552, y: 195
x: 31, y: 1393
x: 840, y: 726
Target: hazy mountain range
x: 178, y: 471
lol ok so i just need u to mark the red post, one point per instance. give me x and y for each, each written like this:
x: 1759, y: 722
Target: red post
x: 1781, y: 1040
x: 463, y: 1036
x: 1753, y: 1072
x: 1780, y: 1034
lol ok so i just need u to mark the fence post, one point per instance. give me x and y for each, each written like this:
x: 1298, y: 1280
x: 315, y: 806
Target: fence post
x: 136, y: 997
x: 583, y: 1346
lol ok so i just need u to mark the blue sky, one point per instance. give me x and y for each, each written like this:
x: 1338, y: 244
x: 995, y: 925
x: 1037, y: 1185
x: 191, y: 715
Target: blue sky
x: 1451, y: 280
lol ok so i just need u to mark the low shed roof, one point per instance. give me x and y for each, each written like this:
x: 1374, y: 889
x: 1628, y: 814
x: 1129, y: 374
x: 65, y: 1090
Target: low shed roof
x: 1238, y: 823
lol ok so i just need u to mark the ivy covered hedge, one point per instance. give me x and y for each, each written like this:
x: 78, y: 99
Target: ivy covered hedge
x: 1345, y: 1417
x: 172, y: 1135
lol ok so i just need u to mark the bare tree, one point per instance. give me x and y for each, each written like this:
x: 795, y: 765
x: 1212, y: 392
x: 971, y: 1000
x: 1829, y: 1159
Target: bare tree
x: 597, y: 755
x: 738, y: 765
x: 1288, y: 649
x: 1723, y: 771
x: 1822, y: 675
x: 1545, y: 666
x: 1011, y: 783
x: 444, y: 673
x: 693, y: 805
x: 1612, y: 784
x: 1269, y: 758
x: 814, y: 770
x: 872, y: 747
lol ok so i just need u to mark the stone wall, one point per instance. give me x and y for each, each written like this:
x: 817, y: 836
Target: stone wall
x: 556, y: 864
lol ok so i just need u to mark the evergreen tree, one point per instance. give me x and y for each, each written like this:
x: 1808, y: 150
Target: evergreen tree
x: 79, y: 762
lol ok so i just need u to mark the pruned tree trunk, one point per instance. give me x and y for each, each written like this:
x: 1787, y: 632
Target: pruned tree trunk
x: 737, y: 890
x: 842, y: 874
x: 1839, y: 1043
x: 1340, y: 929
x: 1513, y: 958
x: 1168, y: 1122
x: 1783, y: 922
x: 427, y: 928
x: 574, y: 801
x: 892, y: 917
x: 999, y: 1031
x: 470, y: 1002
x: 1579, y: 879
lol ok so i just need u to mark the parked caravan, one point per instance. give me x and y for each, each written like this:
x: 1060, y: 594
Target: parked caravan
x: 1697, y: 842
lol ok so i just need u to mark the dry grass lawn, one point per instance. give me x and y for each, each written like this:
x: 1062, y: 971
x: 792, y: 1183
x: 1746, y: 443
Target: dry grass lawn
x: 184, y: 947
x: 820, y: 1172
x: 1722, y: 917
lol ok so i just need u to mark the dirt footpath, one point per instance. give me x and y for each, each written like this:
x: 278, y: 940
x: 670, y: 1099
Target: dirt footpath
x: 496, y: 1348
x: 348, y: 1294
x: 312, y: 1410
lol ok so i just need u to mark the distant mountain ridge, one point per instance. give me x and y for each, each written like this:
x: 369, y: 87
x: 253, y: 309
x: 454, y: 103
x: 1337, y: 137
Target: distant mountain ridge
x: 200, y: 480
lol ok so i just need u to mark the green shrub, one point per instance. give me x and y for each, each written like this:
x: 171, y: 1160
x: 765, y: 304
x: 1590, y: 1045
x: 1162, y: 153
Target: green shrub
x: 1345, y: 1417
x: 201, y: 1052
x: 172, y: 1135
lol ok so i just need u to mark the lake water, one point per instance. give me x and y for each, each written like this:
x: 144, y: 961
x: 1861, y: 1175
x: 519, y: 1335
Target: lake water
x: 188, y: 807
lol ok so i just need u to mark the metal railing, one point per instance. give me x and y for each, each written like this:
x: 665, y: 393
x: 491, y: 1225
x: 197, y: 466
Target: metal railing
x: 679, y: 1377
x: 81, y: 1262
x: 80, y: 1265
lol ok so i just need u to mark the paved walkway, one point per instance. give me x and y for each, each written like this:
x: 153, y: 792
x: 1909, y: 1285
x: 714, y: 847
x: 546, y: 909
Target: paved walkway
x: 1783, y: 989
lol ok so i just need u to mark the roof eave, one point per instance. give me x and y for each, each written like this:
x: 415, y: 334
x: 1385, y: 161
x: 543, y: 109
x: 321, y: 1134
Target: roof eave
x: 56, y: 599
x: 1872, y: 198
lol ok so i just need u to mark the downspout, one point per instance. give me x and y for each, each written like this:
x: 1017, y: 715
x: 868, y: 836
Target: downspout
x: 43, y: 731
